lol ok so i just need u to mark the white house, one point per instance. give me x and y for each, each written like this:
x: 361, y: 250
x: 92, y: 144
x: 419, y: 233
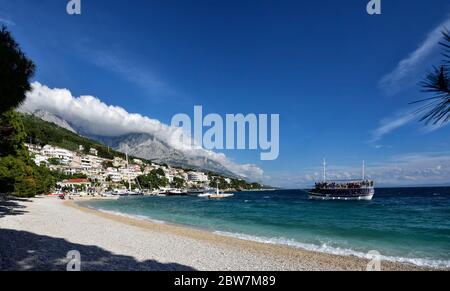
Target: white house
x: 93, y: 151
x: 63, y: 155
x: 39, y: 159
x: 114, y: 175
x: 197, y: 177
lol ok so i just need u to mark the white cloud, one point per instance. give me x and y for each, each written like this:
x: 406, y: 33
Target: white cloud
x: 393, y: 81
x: 390, y: 124
x: 415, y: 169
x: 6, y: 21
x: 398, y: 120
x: 98, y: 118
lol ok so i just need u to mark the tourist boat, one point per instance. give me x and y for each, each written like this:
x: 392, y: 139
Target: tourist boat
x: 361, y: 189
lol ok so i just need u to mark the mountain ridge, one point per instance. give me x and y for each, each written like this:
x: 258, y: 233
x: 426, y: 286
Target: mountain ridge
x: 53, y: 118
x: 146, y: 146
x: 141, y: 145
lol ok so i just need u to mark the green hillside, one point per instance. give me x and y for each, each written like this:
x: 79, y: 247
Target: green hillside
x: 42, y: 133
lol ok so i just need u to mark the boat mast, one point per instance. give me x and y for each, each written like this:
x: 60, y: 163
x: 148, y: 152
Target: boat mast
x: 324, y: 170
x: 128, y: 171
x: 364, y: 170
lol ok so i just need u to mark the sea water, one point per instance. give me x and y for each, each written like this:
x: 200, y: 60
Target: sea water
x: 403, y: 224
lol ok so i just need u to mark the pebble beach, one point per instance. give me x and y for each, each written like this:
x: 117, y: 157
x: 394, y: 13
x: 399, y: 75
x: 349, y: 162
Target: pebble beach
x: 37, y: 234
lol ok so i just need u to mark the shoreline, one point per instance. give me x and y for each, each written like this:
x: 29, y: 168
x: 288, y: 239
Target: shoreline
x: 201, y: 234
x: 180, y: 247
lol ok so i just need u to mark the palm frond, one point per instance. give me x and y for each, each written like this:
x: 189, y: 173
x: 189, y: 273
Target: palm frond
x: 437, y: 107
x: 437, y: 81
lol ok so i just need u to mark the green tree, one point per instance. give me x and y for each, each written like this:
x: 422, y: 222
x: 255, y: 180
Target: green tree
x: 54, y: 161
x: 19, y: 175
x: 107, y: 164
x: 153, y: 180
x: 177, y: 182
x: 13, y: 134
x: 219, y: 181
x: 437, y: 107
x: 22, y: 179
x: 160, y: 172
x: 15, y: 72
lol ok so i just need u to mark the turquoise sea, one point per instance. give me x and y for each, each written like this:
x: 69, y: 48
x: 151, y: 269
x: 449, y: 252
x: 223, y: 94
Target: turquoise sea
x: 403, y: 224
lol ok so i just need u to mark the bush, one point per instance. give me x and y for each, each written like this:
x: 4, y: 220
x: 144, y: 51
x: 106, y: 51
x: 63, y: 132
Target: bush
x: 23, y: 179
x: 15, y: 71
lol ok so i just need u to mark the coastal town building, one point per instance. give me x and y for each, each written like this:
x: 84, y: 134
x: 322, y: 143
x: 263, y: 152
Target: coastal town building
x: 75, y: 182
x: 106, y: 173
x: 40, y: 160
x: 114, y: 175
x: 63, y: 155
x: 197, y: 177
x: 93, y: 151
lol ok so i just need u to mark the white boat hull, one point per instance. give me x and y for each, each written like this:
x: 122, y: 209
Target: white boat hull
x: 315, y: 196
x: 220, y: 196
x: 215, y: 196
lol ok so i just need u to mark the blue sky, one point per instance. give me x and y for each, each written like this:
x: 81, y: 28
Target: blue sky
x: 340, y: 79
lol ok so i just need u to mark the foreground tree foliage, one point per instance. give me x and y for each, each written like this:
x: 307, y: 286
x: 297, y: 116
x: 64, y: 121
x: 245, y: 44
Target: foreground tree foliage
x: 437, y: 107
x: 15, y: 72
x: 12, y: 142
x: 19, y: 175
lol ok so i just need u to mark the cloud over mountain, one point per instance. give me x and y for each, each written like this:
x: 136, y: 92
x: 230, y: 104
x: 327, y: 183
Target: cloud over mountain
x: 95, y: 117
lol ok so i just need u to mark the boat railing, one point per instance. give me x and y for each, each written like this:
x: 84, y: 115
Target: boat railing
x: 345, y: 181
x: 347, y: 188
x: 345, y: 184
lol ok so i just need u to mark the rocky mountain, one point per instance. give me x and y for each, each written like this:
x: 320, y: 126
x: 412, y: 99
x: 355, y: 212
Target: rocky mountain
x: 142, y: 145
x: 148, y: 147
x: 52, y: 118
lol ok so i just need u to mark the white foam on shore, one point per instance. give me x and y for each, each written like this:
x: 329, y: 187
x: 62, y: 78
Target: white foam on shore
x: 132, y: 216
x: 324, y: 248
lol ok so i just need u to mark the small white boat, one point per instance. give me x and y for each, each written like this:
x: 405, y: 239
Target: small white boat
x: 216, y: 195
x: 220, y: 196
x: 176, y: 192
x: 123, y: 192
